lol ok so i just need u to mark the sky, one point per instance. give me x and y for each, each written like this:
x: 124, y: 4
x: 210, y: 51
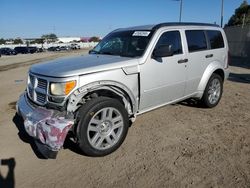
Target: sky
x: 85, y: 18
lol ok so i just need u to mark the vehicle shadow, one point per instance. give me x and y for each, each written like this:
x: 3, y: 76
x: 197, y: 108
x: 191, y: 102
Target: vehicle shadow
x: 9, y: 180
x: 242, y: 78
x: 191, y: 103
x: 72, y: 146
x: 18, y: 121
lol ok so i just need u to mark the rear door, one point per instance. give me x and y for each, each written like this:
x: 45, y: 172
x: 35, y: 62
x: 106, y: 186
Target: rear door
x: 198, y: 58
x: 218, y: 48
x: 204, y: 47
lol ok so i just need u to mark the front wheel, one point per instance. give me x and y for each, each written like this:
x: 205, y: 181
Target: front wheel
x: 213, y: 91
x: 103, y: 126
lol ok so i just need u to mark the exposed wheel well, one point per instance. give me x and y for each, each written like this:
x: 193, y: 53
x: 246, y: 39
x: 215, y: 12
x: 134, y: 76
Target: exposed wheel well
x: 105, y: 93
x: 221, y: 73
x: 111, y: 92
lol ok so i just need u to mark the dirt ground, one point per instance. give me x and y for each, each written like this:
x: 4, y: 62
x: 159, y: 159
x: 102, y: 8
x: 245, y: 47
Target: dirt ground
x: 179, y: 145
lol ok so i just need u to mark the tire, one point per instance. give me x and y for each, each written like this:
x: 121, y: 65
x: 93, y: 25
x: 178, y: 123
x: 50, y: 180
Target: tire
x: 213, y: 92
x: 103, y: 126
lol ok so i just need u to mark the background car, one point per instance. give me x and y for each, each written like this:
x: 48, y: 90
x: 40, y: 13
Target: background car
x: 54, y: 48
x: 7, y: 51
x: 75, y: 47
x: 40, y: 50
x: 32, y: 49
x: 21, y: 50
x: 65, y: 48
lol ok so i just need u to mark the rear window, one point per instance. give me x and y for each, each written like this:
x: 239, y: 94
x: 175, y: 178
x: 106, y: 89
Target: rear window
x: 215, y: 38
x: 196, y: 40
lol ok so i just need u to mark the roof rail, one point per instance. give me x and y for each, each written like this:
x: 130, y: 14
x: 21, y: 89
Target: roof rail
x: 183, y: 24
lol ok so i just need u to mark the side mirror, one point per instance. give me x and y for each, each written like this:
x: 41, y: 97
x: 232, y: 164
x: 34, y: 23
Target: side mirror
x: 163, y: 51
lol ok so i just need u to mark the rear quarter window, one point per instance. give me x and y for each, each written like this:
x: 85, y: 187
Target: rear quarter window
x: 215, y: 38
x: 196, y: 40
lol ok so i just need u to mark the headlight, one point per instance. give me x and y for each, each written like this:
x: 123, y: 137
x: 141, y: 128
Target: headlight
x: 62, y: 88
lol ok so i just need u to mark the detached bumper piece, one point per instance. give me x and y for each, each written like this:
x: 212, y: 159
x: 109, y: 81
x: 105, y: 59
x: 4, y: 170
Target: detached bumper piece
x: 48, y: 127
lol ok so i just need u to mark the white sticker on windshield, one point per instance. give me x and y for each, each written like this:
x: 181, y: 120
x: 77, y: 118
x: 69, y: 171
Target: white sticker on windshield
x: 141, y: 33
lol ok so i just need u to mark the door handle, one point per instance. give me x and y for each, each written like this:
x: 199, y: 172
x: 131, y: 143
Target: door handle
x: 209, y: 55
x: 183, y: 61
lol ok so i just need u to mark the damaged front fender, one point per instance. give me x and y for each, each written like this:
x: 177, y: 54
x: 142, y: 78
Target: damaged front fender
x: 129, y: 100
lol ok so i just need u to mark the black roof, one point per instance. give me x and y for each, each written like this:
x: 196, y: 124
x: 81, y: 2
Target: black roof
x: 157, y: 26
x: 182, y: 24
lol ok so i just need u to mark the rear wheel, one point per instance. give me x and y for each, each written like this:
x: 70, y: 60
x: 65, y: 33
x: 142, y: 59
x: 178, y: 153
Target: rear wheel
x: 103, y: 126
x: 213, y: 91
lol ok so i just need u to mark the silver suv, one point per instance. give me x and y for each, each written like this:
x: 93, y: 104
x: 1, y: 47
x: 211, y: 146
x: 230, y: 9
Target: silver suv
x: 131, y: 71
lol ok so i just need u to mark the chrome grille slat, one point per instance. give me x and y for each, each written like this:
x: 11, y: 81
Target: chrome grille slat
x: 37, y: 89
x: 41, y: 98
x: 32, y: 80
x: 30, y: 91
x: 42, y: 83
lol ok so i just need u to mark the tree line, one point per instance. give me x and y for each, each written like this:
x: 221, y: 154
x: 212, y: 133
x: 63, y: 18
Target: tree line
x: 241, y: 15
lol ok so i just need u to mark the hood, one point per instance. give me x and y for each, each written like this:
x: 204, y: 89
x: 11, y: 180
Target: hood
x: 73, y: 66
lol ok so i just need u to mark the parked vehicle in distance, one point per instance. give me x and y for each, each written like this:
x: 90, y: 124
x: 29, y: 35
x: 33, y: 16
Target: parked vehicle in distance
x: 21, y: 50
x: 64, y: 48
x: 41, y: 50
x: 54, y: 48
x: 7, y: 51
x: 32, y: 49
x: 131, y: 71
x: 75, y: 46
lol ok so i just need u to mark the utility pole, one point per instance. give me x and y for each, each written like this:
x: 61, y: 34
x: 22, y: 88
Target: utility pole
x: 222, y: 12
x: 243, y: 22
x: 180, y: 10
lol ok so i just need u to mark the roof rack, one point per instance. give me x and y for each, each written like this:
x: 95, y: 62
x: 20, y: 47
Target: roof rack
x: 182, y: 24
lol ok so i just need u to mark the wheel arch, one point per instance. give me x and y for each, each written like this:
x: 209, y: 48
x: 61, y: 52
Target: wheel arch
x: 214, y: 67
x: 110, y: 89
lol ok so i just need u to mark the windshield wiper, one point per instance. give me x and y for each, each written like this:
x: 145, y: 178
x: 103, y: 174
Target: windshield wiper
x: 126, y: 55
x: 93, y: 52
x: 108, y: 53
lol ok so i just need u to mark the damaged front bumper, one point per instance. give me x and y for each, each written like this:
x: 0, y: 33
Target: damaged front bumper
x: 48, y: 127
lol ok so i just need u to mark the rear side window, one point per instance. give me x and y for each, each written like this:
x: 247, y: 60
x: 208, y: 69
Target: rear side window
x: 173, y: 39
x: 215, y: 38
x: 196, y: 40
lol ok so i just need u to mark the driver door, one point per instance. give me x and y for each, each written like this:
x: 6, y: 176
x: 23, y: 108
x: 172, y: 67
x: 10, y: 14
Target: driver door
x: 163, y: 79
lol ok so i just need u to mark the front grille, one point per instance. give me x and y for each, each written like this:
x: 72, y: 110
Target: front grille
x: 42, y: 83
x: 37, y: 89
x: 41, y: 98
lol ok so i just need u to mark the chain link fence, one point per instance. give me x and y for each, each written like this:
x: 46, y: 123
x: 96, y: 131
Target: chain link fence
x: 239, y: 42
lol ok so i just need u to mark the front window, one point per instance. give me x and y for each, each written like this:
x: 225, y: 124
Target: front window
x: 124, y: 43
x: 171, y: 39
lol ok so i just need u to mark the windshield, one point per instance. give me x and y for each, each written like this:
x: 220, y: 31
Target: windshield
x: 124, y: 43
